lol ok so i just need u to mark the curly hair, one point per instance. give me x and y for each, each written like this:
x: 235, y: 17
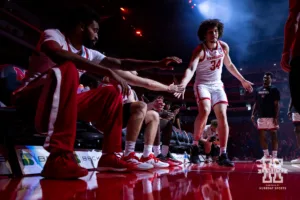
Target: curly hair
x: 208, y: 24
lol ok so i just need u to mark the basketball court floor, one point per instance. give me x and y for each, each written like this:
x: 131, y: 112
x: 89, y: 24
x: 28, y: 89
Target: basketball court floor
x: 248, y: 180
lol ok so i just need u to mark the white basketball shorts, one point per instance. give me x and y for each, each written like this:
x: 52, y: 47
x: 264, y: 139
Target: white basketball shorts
x: 266, y: 124
x: 215, y: 93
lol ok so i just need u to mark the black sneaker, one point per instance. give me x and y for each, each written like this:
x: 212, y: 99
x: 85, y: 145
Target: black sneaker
x: 162, y: 158
x: 194, y: 156
x: 173, y: 159
x: 224, y: 161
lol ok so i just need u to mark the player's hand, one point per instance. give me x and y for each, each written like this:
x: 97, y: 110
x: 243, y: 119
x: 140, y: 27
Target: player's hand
x: 124, y: 86
x: 247, y: 85
x: 175, y: 88
x: 275, y: 121
x: 180, y: 94
x: 285, y: 59
x: 164, y: 64
x: 289, y: 114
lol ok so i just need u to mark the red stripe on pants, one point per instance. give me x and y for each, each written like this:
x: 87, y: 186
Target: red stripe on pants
x: 56, y: 105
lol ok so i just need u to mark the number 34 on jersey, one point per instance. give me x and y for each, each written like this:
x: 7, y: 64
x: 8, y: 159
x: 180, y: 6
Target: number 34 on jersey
x: 215, y: 64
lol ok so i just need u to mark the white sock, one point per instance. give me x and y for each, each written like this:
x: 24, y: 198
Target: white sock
x: 195, y: 142
x: 164, y: 150
x: 274, y: 154
x: 147, y: 150
x: 156, y: 150
x: 156, y: 186
x: 266, y: 152
x: 129, y: 147
x: 147, y: 186
x: 226, y: 183
x: 222, y: 150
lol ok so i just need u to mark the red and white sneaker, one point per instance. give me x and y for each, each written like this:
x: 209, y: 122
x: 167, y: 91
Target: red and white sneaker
x: 151, y: 159
x: 113, y: 162
x: 133, y: 159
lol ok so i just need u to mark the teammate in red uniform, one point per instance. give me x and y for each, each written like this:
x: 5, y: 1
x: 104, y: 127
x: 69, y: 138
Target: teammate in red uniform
x: 207, y: 61
x: 291, y: 50
x: 50, y: 94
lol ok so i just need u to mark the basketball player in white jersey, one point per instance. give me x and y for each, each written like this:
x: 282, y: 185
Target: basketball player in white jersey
x: 207, y: 61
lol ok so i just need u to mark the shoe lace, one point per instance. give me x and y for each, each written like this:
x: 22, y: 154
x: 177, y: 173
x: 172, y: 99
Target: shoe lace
x: 119, y: 158
x: 156, y: 160
x: 119, y: 155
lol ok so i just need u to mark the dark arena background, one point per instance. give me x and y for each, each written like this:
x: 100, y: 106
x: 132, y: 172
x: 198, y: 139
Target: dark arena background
x: 152, y: 30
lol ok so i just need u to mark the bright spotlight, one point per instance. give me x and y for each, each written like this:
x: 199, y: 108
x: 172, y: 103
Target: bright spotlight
x: 215, y: 9
x: 204, y: 8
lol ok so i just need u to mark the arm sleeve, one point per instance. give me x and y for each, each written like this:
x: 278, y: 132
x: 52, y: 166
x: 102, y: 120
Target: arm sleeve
x: 96, y: 56
x: 52, y: 35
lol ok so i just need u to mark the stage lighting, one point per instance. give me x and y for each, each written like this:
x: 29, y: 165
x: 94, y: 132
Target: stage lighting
x: 138, y: 32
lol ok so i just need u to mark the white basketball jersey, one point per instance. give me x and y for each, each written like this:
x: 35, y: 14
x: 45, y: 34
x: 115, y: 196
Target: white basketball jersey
x: 209, y: 69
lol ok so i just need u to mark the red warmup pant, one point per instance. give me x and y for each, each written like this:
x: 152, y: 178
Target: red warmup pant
x: 56, y: 105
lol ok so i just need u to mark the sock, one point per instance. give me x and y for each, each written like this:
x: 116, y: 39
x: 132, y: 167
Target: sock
x: 274, y: 154
x: 147, y: 150
x: 195, y: 142
x: 222, y: 150
x: 156, y: 150
x: 226, y: 183
x: 147, y: 186
x: 165, y: 150
x: 266, y: 152
x: 129, y: 147
x: 156, y: 185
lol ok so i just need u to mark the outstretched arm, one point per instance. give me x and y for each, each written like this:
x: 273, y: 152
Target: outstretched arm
x: 131, y: 64
x: 149, y: 84
x: 233, y: 70
x: 54, y: 51
x: 190, y: 71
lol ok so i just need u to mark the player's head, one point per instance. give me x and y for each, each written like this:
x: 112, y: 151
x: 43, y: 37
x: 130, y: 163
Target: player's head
x: 267, y: 78
x: 214, y: 125
x: 82, y: 21
x: 210, y: 30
